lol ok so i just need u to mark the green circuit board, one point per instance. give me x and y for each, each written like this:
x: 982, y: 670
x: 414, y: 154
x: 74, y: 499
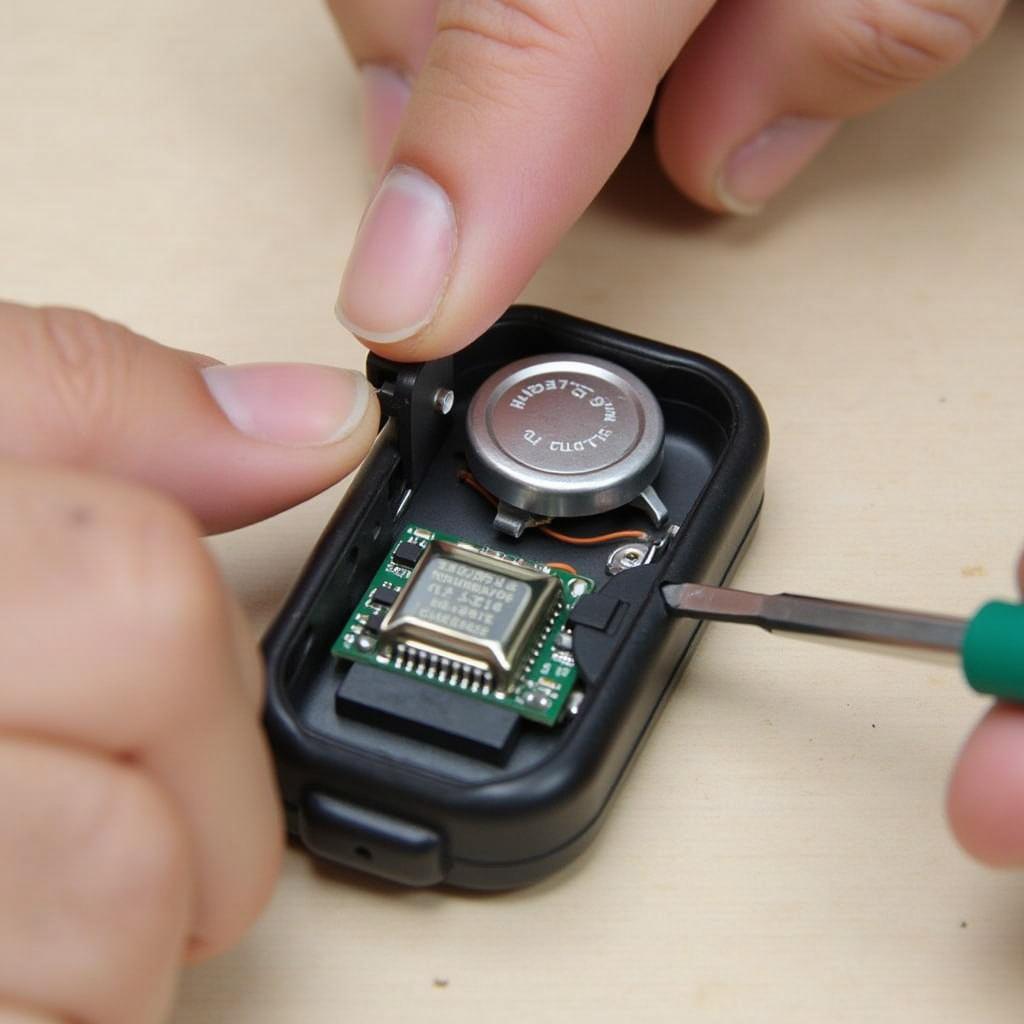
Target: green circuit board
x: 471, y: 619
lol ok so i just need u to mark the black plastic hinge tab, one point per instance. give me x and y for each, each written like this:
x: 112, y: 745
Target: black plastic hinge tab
x: 417, y: 396
x: 597, y: 611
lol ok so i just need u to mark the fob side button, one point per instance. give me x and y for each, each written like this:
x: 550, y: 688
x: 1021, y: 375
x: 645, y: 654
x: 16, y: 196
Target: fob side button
x: 357, y: 837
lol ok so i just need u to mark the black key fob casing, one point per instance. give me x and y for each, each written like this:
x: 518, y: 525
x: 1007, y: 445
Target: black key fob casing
x: 404, y: 780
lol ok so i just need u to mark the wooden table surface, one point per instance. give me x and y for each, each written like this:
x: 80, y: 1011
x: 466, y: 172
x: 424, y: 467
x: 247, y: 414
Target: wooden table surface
x: 779, y: 852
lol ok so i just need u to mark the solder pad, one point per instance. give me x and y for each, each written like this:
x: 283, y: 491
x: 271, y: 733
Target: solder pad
x: 471, y: 619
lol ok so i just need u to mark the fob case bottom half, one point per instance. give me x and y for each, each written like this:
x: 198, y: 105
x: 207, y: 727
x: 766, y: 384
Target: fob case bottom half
x: 439, y: 790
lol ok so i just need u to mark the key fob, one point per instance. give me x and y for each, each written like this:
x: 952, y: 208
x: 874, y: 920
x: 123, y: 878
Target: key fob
x: 477, y: 646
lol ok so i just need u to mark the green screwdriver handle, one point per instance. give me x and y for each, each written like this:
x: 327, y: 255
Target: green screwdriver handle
x: 993, y: 651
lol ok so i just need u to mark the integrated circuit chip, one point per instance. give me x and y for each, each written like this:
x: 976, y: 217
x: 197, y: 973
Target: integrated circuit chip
x: 463, y: 608
x: 469, y: 618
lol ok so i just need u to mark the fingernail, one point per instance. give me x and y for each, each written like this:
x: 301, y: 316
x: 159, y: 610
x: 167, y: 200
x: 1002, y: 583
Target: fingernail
x: 401, y: 259
x: 292, y: 404
x: 385, y: 95
x: 760, y: 167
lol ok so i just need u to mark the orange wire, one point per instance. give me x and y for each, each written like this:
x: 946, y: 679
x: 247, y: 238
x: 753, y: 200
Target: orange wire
x: 605, y: 538
x: 467, y: 478
x: 564, y: 566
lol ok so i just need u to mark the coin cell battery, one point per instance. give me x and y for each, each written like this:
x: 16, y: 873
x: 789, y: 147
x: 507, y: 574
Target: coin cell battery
x: 565, y: 435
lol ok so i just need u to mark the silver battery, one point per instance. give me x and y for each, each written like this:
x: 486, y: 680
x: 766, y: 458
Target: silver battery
x: 566, y: 435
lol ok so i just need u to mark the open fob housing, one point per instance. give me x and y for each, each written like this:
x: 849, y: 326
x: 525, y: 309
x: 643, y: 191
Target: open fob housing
x: 460, y: 680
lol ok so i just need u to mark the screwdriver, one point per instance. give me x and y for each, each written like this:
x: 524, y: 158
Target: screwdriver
x: 990, y: 644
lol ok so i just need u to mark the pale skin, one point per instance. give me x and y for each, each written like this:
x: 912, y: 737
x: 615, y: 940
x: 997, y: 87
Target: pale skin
x: 139, y: 825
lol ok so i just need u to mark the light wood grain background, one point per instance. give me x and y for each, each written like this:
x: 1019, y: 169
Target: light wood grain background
x: 779, y: 854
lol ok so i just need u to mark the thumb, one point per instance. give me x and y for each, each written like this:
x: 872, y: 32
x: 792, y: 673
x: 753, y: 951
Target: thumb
x: 232, y: 443
x: 519, y: 115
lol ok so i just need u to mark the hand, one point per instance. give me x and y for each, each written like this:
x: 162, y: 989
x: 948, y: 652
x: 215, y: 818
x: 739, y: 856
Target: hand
x: 139, y: 820
x: 500, y: 120
x: 986, y: 795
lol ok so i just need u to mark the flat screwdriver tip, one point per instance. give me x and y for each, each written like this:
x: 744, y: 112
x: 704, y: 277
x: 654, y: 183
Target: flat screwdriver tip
x: 695, y: 600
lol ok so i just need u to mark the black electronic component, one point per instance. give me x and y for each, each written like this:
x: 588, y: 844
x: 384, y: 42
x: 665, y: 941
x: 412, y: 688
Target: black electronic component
x: 426, y: 713
x: 384, y: 596
x: 407, y: 554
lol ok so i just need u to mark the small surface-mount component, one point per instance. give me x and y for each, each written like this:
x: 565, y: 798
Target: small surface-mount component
x: 565, y: 435
x: 407, y: 553
x: 470, y: 619
x: 375, y: 622
x: 384, y: 596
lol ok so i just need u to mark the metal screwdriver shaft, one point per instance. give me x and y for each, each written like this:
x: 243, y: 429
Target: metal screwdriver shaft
x: 990, y: 644
x: 813, y: 616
